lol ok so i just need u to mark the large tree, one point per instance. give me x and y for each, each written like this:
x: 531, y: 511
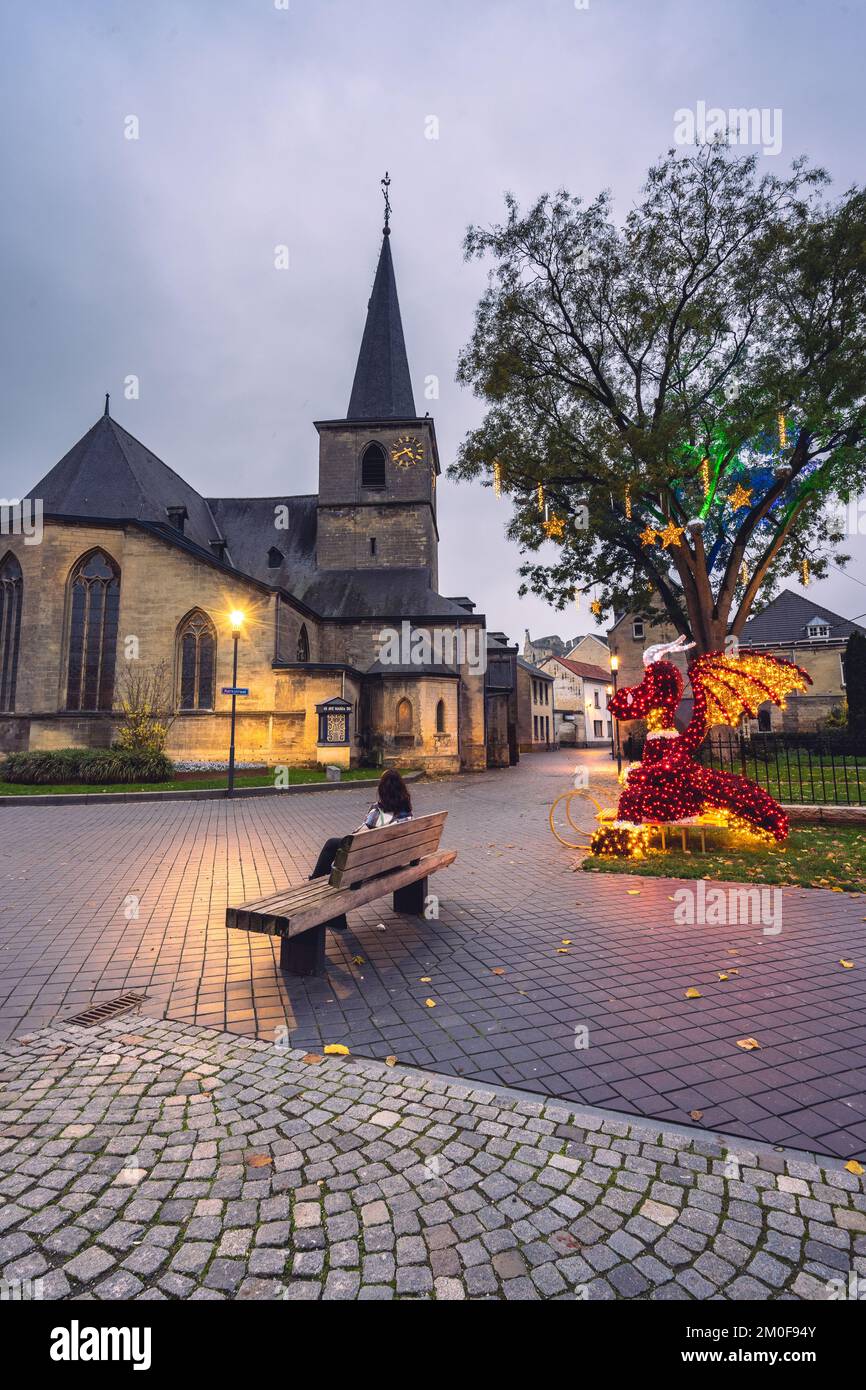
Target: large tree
x: 677, y: 401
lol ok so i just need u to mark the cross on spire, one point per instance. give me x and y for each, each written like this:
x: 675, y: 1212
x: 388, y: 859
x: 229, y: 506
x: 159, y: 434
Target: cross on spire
x: 386, y: 184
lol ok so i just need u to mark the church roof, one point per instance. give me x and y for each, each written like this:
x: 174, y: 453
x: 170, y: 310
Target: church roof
x: 382, y: 389
x: 109, y: 473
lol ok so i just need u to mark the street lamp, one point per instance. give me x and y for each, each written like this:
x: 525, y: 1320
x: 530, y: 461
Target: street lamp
x: 614, y: 667
x: 609, y: 692
x: 236, y: 619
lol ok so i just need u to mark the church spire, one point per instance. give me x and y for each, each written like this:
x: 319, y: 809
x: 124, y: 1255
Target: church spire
x: 382, y: 389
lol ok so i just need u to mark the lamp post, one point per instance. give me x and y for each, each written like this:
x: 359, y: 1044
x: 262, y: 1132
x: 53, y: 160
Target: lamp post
x: 614, y: 667
x: 236, y: 618
x: 609, y: 692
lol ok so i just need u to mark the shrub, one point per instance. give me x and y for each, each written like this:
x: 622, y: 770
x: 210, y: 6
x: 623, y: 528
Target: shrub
x: 100, y: 766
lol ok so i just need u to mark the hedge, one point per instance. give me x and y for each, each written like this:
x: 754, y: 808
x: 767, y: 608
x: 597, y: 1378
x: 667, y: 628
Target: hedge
x: 102, y: 766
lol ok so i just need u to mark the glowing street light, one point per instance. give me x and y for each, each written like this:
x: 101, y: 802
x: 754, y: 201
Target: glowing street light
x: 236, y: 620
x: 614, y: 732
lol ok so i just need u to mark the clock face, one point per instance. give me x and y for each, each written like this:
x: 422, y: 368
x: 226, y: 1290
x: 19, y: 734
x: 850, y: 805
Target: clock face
x: 407, y: 450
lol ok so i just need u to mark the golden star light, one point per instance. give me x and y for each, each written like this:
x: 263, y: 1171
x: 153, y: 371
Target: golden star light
x: 671, y: 535
x: 648, y: 536
x: 741, y: 497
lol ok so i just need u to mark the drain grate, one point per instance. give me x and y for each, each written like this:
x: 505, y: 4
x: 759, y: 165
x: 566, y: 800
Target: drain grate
x: 98, y: 1013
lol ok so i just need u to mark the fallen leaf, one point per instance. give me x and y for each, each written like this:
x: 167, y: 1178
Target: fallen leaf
x: 722, y: 975
x: 562, y: 951
x: 258, y: 1161
x: 357, y: 960
x: 565, y: 941
x: 853, y: 1166
x: 696, y: 1114
x: 390, y: 1061
x: 633, y: 892
x: 748, y: 1044
x: 848, y: 964
x: 337, y: 1050
x: 497, y: 970
x: 311, y: 1058
x: 426, y: 979
x: 431, y: 1003
x: 693, y: 994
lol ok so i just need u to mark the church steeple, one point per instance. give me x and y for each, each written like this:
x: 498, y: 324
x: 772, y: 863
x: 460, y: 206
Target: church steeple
x: 382, y: 389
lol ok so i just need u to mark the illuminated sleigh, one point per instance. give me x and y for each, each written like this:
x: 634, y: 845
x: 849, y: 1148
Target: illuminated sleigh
x: 670, y: 790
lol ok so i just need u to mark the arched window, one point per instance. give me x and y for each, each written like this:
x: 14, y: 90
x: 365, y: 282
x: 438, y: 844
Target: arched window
x: 404, y: 716
x: 11, y: 588
x: 440, y: 717
x: 197, y: 649
x: 373, y: 466
x: 275, y: 558
x: 303, y: 644
x: 94, y: 605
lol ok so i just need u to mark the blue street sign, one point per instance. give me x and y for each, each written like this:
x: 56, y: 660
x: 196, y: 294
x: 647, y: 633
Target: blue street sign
x: 236, y: 690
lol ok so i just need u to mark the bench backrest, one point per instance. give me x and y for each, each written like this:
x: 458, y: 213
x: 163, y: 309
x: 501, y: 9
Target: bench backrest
x: 369, y: 853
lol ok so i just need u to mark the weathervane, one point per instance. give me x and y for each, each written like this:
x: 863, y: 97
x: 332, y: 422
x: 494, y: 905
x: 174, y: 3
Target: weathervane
x: 386, y: 184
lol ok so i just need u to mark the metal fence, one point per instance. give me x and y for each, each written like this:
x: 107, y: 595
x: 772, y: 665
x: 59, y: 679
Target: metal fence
x: 809, y: 769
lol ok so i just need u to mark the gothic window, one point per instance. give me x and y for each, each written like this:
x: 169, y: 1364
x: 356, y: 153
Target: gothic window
x: 11, y: 585
x: 94, y: 605
x: 197, y: 661
x: 275, y: 558
x: 303, y: 644
x: 404, y: 716
x: 440, y: 717
x: 373, y: 466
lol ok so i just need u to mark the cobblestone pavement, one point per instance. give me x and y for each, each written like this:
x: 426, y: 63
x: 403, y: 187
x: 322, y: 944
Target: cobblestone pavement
x: 72, y: 879
x: 150, y: 1159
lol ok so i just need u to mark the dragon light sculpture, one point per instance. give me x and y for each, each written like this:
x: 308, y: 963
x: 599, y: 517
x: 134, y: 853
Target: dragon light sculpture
x: 669, y: 785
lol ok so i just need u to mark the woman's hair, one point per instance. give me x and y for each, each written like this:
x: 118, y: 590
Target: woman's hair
x: 393, y: 794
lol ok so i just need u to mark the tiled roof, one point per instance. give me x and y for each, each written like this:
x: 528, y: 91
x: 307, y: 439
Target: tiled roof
x: 583, y: 668
x: 786, y: 618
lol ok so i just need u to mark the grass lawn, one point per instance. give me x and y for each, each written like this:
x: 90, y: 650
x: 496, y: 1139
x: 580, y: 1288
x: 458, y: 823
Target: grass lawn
x: 814, y: 856
x: 263, y: 779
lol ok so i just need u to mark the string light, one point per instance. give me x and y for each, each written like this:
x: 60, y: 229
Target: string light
x: 806, y: 574
x: 783, y: 432
x: 628, y: 503
x: 670, y: 785
x: 705, y: 476
x: 648, y: 536
x: 540, y: 495
x: 744, y: 573
x: 497, y: 478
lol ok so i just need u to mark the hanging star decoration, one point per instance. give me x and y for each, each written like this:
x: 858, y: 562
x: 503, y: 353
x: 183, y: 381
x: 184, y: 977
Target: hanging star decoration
x: 553, y: 527
x: 671, y: 535
x: 648, y: 536
x: 595, y: 607
x: 740, y: 497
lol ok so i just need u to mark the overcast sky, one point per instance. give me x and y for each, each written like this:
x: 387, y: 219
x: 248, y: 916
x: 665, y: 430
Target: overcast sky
x: 262, y: 126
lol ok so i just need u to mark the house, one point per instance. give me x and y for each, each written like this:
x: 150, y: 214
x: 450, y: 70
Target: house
x: 580, y: 694
x: 535, y: 726
x: 795, y: 628
x: 592, y: 648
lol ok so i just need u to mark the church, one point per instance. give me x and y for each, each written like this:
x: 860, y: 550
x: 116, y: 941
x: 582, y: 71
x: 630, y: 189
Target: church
x: 135, y: 566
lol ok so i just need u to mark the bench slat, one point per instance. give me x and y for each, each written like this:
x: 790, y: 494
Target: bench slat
x: 356, y: 874
x: 335, y: 901
x: 354, y: 855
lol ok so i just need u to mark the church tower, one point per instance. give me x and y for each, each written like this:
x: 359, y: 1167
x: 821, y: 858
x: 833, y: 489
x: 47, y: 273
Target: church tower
x: 378, y: 466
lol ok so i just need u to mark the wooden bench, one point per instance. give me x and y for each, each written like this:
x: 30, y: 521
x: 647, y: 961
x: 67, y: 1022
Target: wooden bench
x: 370, y: 864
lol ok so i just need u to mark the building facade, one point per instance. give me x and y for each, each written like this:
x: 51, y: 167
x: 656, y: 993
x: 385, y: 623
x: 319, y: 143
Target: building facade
x: 580, y: 695
x: 339, y: 590
x: 536, y: 730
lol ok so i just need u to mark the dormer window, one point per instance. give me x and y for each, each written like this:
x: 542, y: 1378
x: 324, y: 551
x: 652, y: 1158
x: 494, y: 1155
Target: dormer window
x: 373, y: 466
x: 275, y: 558
x: 818, y: 628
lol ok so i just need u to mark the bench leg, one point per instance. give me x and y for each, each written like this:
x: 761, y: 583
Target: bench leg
x: 411, y: 898
x: 304, y: 954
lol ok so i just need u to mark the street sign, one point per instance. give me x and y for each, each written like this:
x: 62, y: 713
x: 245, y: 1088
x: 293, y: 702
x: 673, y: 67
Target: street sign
x: 236, y: 690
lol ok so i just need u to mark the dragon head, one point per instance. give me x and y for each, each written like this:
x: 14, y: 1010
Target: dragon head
x: 657, y: 697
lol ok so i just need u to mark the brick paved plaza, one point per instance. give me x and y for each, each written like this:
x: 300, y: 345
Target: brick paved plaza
x: 150, y: 1159
x: 506, y: 905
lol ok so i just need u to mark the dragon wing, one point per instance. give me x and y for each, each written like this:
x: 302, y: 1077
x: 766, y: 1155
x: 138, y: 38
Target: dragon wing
x: 733, y: 686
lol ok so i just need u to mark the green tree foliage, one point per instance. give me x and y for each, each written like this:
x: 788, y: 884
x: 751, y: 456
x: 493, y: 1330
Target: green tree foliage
x: 641, y: 372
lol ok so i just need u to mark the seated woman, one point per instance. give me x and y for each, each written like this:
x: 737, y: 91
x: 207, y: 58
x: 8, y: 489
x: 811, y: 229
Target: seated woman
x: 393, y: 803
